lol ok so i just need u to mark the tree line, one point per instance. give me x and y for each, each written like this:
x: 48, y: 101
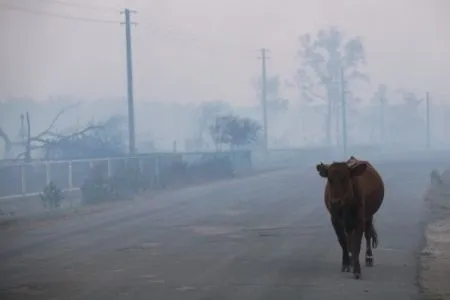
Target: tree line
x: 330, y: 66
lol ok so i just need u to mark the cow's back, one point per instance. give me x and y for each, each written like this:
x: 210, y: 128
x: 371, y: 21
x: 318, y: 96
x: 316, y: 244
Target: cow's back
x: 371, y: 187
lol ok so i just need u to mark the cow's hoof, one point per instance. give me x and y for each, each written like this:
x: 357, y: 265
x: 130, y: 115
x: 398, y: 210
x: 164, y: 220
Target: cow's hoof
x: 369, y: 261
x: 357, y: 275
x: 345, y: 269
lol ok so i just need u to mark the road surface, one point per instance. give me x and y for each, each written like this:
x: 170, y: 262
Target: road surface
x: 262, y: 237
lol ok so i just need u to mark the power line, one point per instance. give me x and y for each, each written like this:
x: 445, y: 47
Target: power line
x: 167, y: 30
x: 55, y: 15
x: 81, y: 5
x: 188, y: 37
x: 201, y: 43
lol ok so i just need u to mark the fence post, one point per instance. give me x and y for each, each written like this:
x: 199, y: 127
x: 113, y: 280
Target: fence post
x: 70, y: 175
x: 157, y: 170
x: 22, y: 179
x: 47, y: 173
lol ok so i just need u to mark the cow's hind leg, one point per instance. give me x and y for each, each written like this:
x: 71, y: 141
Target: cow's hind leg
x: 368, y: 236
x: 356, y: 248
x: 371, y: 241
x: 340, y: 233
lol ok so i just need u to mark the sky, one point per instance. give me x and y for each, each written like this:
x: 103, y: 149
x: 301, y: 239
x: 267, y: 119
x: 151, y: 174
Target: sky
x: 205, y: 50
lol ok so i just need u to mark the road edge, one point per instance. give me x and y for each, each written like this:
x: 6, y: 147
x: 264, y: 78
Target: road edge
x: 435, y: 213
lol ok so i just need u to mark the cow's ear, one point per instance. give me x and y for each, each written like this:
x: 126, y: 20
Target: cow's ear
x: 322, y: 169
x: 358, y: 169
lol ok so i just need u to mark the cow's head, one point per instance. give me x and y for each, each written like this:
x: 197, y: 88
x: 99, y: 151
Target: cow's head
x: 339, y: 175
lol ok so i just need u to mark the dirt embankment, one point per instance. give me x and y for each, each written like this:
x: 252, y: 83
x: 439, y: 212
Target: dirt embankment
x: 434, y: 276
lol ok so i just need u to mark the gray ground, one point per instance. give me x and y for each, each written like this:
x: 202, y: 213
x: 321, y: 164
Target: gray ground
x: 262, y: 237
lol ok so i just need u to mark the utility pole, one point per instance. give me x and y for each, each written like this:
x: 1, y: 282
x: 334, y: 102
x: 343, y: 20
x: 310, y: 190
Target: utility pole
x: 131, y: 128
x: 427, y: 103
x: 264, y: 94
x: 344, y: 112
x: 382, y: 110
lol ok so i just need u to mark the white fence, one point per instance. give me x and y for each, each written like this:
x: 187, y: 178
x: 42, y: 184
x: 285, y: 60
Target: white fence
x: 19, y: 180
x: 28, y: 179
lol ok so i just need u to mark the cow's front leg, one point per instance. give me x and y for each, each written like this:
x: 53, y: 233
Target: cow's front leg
x: 342, y: 238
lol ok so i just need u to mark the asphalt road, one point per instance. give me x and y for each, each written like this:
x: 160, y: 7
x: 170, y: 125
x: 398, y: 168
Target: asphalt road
x: 262, y: 237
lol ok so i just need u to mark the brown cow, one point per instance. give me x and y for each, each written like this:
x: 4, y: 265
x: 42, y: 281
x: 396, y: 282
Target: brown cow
x: 353, y: 194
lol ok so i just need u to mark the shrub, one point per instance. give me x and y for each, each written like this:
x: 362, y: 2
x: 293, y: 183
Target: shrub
x: 52, y: 196
x: 435, y: 178
x: 96, y: 187
x: 207, y: 169
x: 124, y: 184
x: 127, y: 182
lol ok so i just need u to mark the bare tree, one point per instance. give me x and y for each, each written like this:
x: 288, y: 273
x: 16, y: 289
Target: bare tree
x: 91, y: 140
x: 325, y: 59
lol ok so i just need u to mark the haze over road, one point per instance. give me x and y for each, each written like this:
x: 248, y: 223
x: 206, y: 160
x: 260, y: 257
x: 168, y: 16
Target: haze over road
x: 262, y: 237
